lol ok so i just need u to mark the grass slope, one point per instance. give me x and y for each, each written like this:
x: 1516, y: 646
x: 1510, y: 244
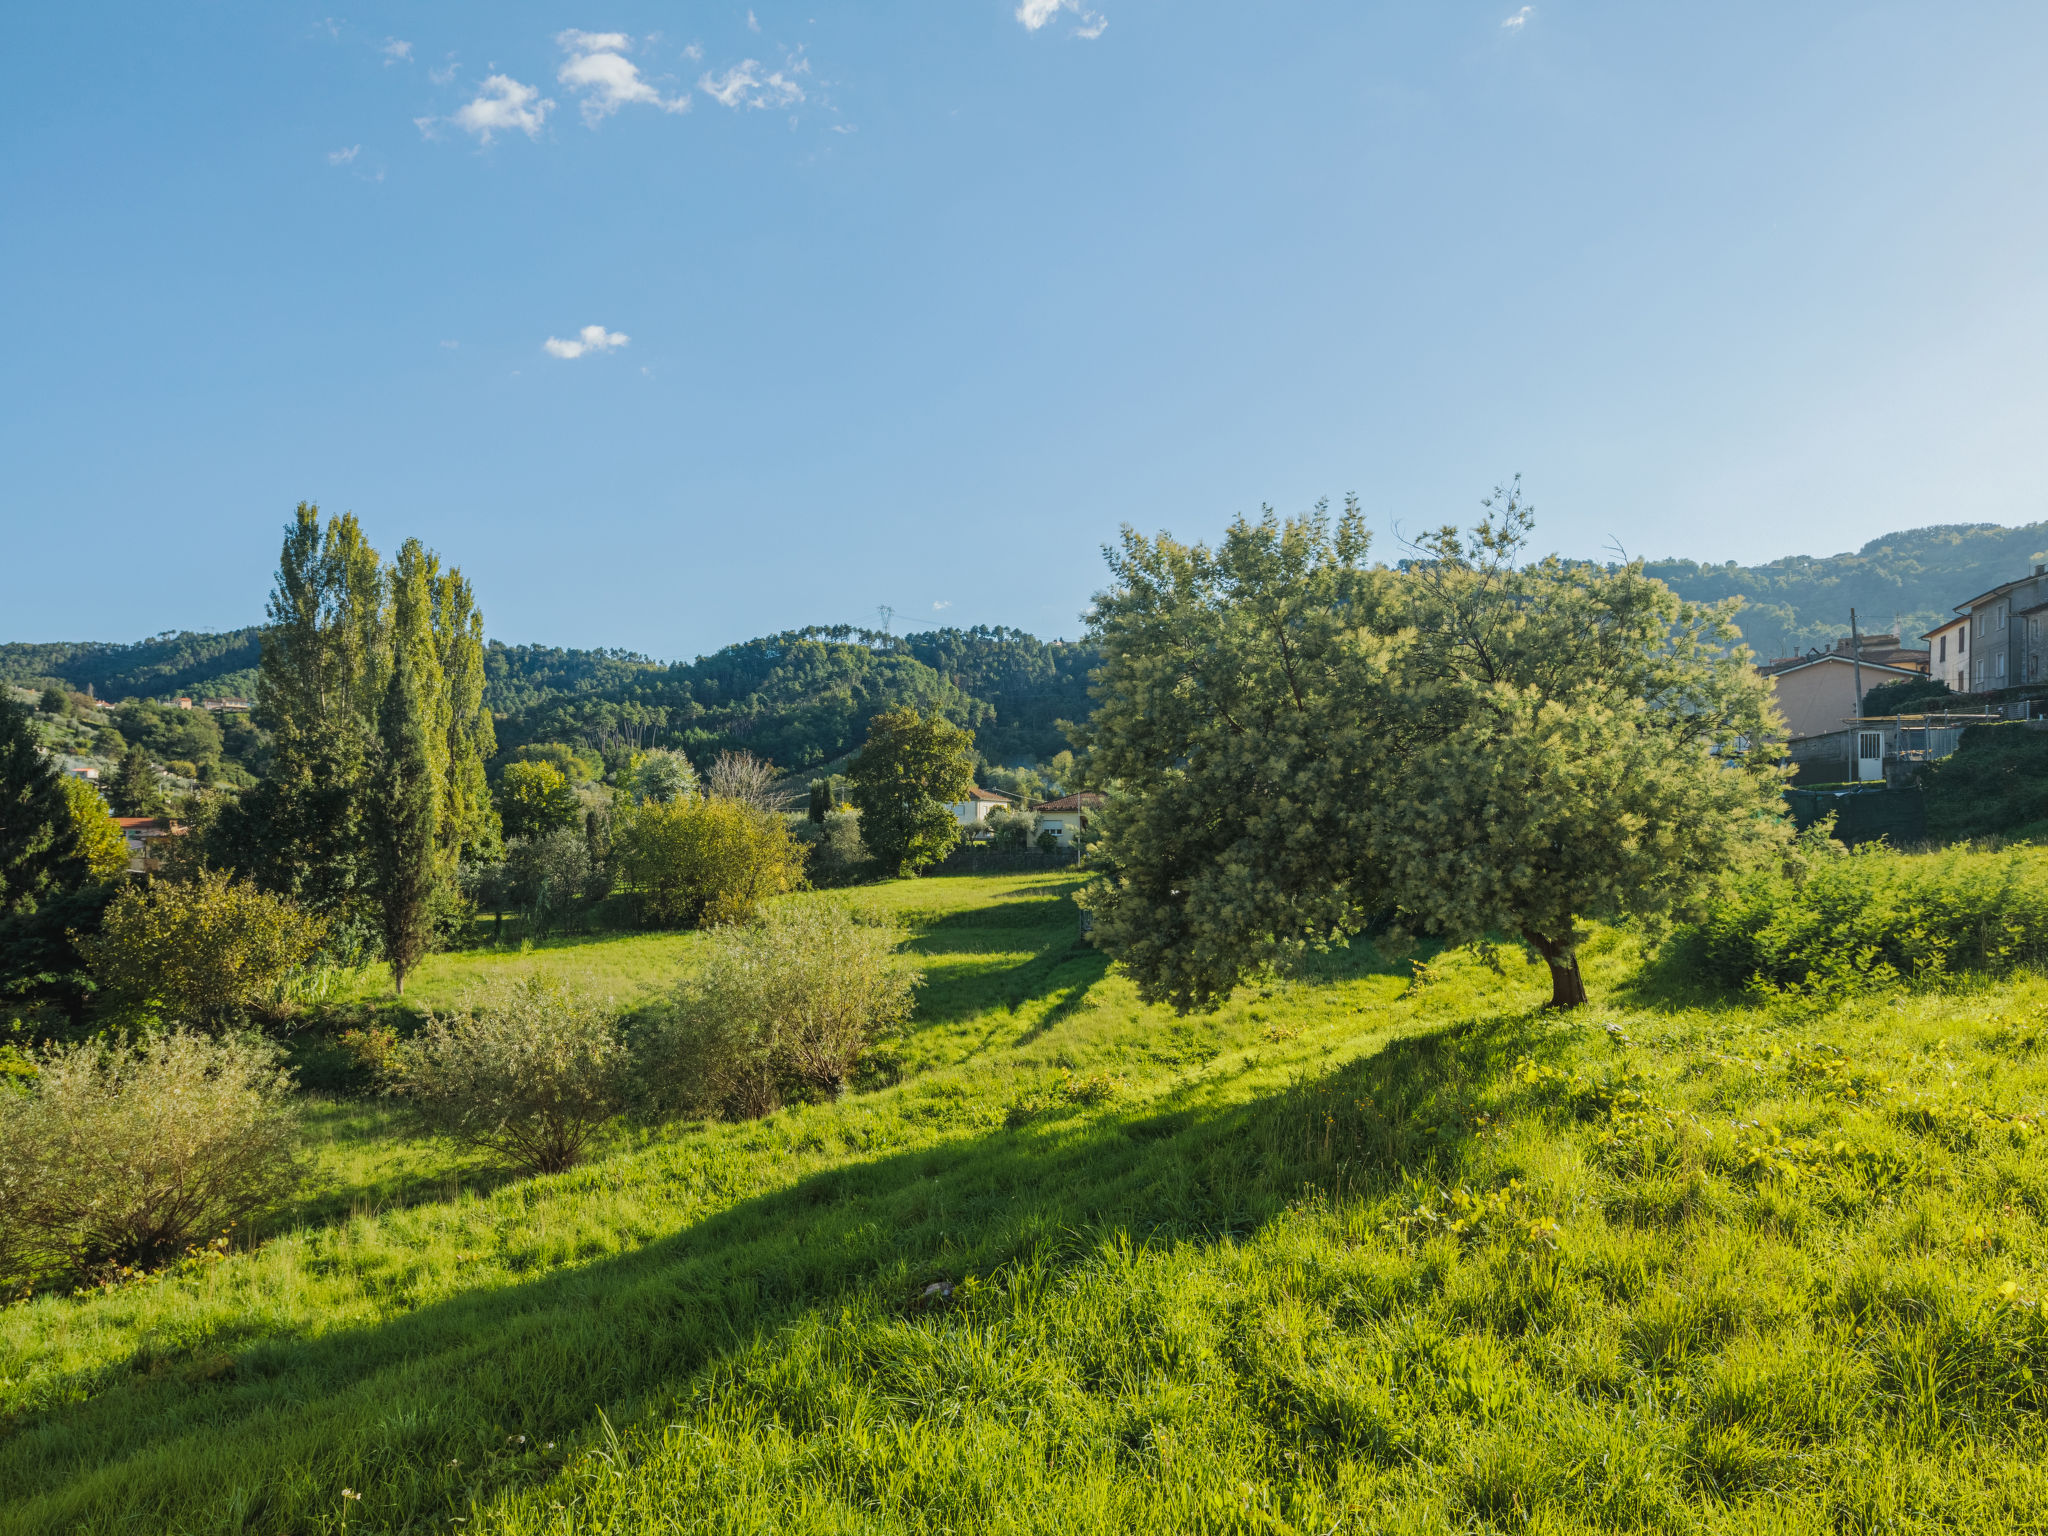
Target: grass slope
x: 1356, y: 1255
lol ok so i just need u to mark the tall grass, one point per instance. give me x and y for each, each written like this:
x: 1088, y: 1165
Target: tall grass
x: 1362, y: 1255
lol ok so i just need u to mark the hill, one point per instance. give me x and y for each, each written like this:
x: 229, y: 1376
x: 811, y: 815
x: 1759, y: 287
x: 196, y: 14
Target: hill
x: 1903, y: 582
x: 1369, y: 1253
x: 186, y: 661
x: 803, y: 698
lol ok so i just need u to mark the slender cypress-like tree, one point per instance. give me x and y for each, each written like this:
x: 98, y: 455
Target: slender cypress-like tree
x: 407, y: 867
x: 469, y: 821
x: 300, y: 833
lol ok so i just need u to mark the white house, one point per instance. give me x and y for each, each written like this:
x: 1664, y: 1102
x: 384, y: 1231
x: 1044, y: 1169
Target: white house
x: 1067, y: 817
x: 979, y: 805
x: 1948, y: 655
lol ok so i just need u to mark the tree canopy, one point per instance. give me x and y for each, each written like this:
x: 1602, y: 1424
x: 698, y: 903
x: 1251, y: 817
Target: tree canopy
x: 912, y: 768
x: 1299, y: 743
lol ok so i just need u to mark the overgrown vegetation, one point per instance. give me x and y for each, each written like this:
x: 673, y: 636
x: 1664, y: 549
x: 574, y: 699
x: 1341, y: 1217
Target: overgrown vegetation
x: 1994, y: 785
x: 1833, y: 923
x: 1387, y: 1249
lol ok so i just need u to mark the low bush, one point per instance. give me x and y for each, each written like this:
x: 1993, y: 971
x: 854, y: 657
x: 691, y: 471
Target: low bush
x: 208, y: 951
x: 783, y: 1007
x: 529, y: 1075
x: 122, y: 1155
x: 703, y: 862
x: 1834, y: 922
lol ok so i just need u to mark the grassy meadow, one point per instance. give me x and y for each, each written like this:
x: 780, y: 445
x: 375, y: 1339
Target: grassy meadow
x: 1384, y: 1249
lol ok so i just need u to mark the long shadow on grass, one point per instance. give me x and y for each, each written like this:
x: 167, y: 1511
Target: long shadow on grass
x: 1031, y: 950
x: 419, y: 1412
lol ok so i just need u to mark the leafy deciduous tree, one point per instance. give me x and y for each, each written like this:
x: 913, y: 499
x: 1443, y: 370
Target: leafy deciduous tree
x: 912, y: 769
x: 1299, y: 742
x: 535, y: 799
x: 100, y: 842
x: 206, y: 951
x: 705, y: 861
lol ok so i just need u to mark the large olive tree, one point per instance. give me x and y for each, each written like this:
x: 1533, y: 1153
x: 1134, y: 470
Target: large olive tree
x: 1472, y: 748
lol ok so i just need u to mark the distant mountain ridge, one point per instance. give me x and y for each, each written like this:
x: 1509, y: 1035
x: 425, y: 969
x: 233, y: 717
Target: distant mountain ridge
x: 1905, y: 583
x: 803, y: 697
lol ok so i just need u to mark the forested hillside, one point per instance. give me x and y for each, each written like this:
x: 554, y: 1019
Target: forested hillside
x: 207, y: 665
x: 803, y: 698
x: 1903, y: 582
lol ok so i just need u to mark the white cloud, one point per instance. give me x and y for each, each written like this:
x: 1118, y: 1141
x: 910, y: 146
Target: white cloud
x: 344, y: 156
x: 592, y: 338
x: 1520, y: 19
x: 693, y: 52
x: 394, y: 50
x: 939, y: 606
x: 1038, y: 13
x: 752, y: 25
x: 844, y: 128
x: 451, y: 345
x: 445, y: 73
x: 599, y: 69
x: 503, y: 103
x: 745, y: 86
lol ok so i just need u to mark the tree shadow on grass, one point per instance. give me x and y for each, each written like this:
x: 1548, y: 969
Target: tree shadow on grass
x: 238, y: 1430
x: 1026, y: 951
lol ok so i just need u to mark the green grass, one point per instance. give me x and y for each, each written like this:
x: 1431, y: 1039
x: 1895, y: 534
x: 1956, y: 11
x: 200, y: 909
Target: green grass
x: 1351, y: 1255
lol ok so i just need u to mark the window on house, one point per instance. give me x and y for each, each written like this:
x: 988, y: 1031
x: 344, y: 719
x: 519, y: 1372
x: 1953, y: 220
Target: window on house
x: 1944, y: 649
x: 2001, y: 663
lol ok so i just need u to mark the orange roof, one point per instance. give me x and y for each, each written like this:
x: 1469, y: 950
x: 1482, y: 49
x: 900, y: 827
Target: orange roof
x: 978, y: 793
x: 1086, y: 800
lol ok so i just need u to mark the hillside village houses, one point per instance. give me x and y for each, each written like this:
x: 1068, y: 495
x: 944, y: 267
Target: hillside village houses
x: 1066, y: 818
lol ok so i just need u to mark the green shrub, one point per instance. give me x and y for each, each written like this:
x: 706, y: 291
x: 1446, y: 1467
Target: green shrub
x: 536, y: 798
x: 206, y: 951
x: 783, y: 1006
x: 529, y: 1075
x: 1836, y: 922
x: 705, y: 861
x: 122, y: 1155
x: 837, y: 854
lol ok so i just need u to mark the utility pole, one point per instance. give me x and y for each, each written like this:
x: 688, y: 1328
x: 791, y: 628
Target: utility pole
x: 1856, y: 661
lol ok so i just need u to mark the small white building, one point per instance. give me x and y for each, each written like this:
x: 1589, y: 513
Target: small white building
x: 979, y: 805
x: 1948, y: 654
x: 1067, y: 817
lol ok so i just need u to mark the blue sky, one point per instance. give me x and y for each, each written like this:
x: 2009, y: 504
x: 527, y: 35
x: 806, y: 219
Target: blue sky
x: 676, y: 324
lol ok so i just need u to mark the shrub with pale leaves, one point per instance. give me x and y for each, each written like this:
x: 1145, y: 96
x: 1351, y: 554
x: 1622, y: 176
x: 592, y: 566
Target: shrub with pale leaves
x: 784, y: 1005
x: 529, y: 1075
x: 124, y: 1154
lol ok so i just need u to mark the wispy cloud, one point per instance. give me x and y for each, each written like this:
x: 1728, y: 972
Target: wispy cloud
x: 451, y: 345
x: 607, y: 80
x: 445, y: 73
x: 694, y: 52
x: 395, y: 50
x: 502, y: 104
x: 344, y: 156
x: 1520, y: 19
x: 744, y: 85
x: 941, y: 606
x: 1039, y: 13
x: 592, y: 338
x: 752, y: 24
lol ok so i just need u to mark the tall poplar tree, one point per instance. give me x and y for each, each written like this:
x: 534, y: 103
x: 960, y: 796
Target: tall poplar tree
x: 300, y: 832
x: 408, y: 869
x: 469, y: 822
